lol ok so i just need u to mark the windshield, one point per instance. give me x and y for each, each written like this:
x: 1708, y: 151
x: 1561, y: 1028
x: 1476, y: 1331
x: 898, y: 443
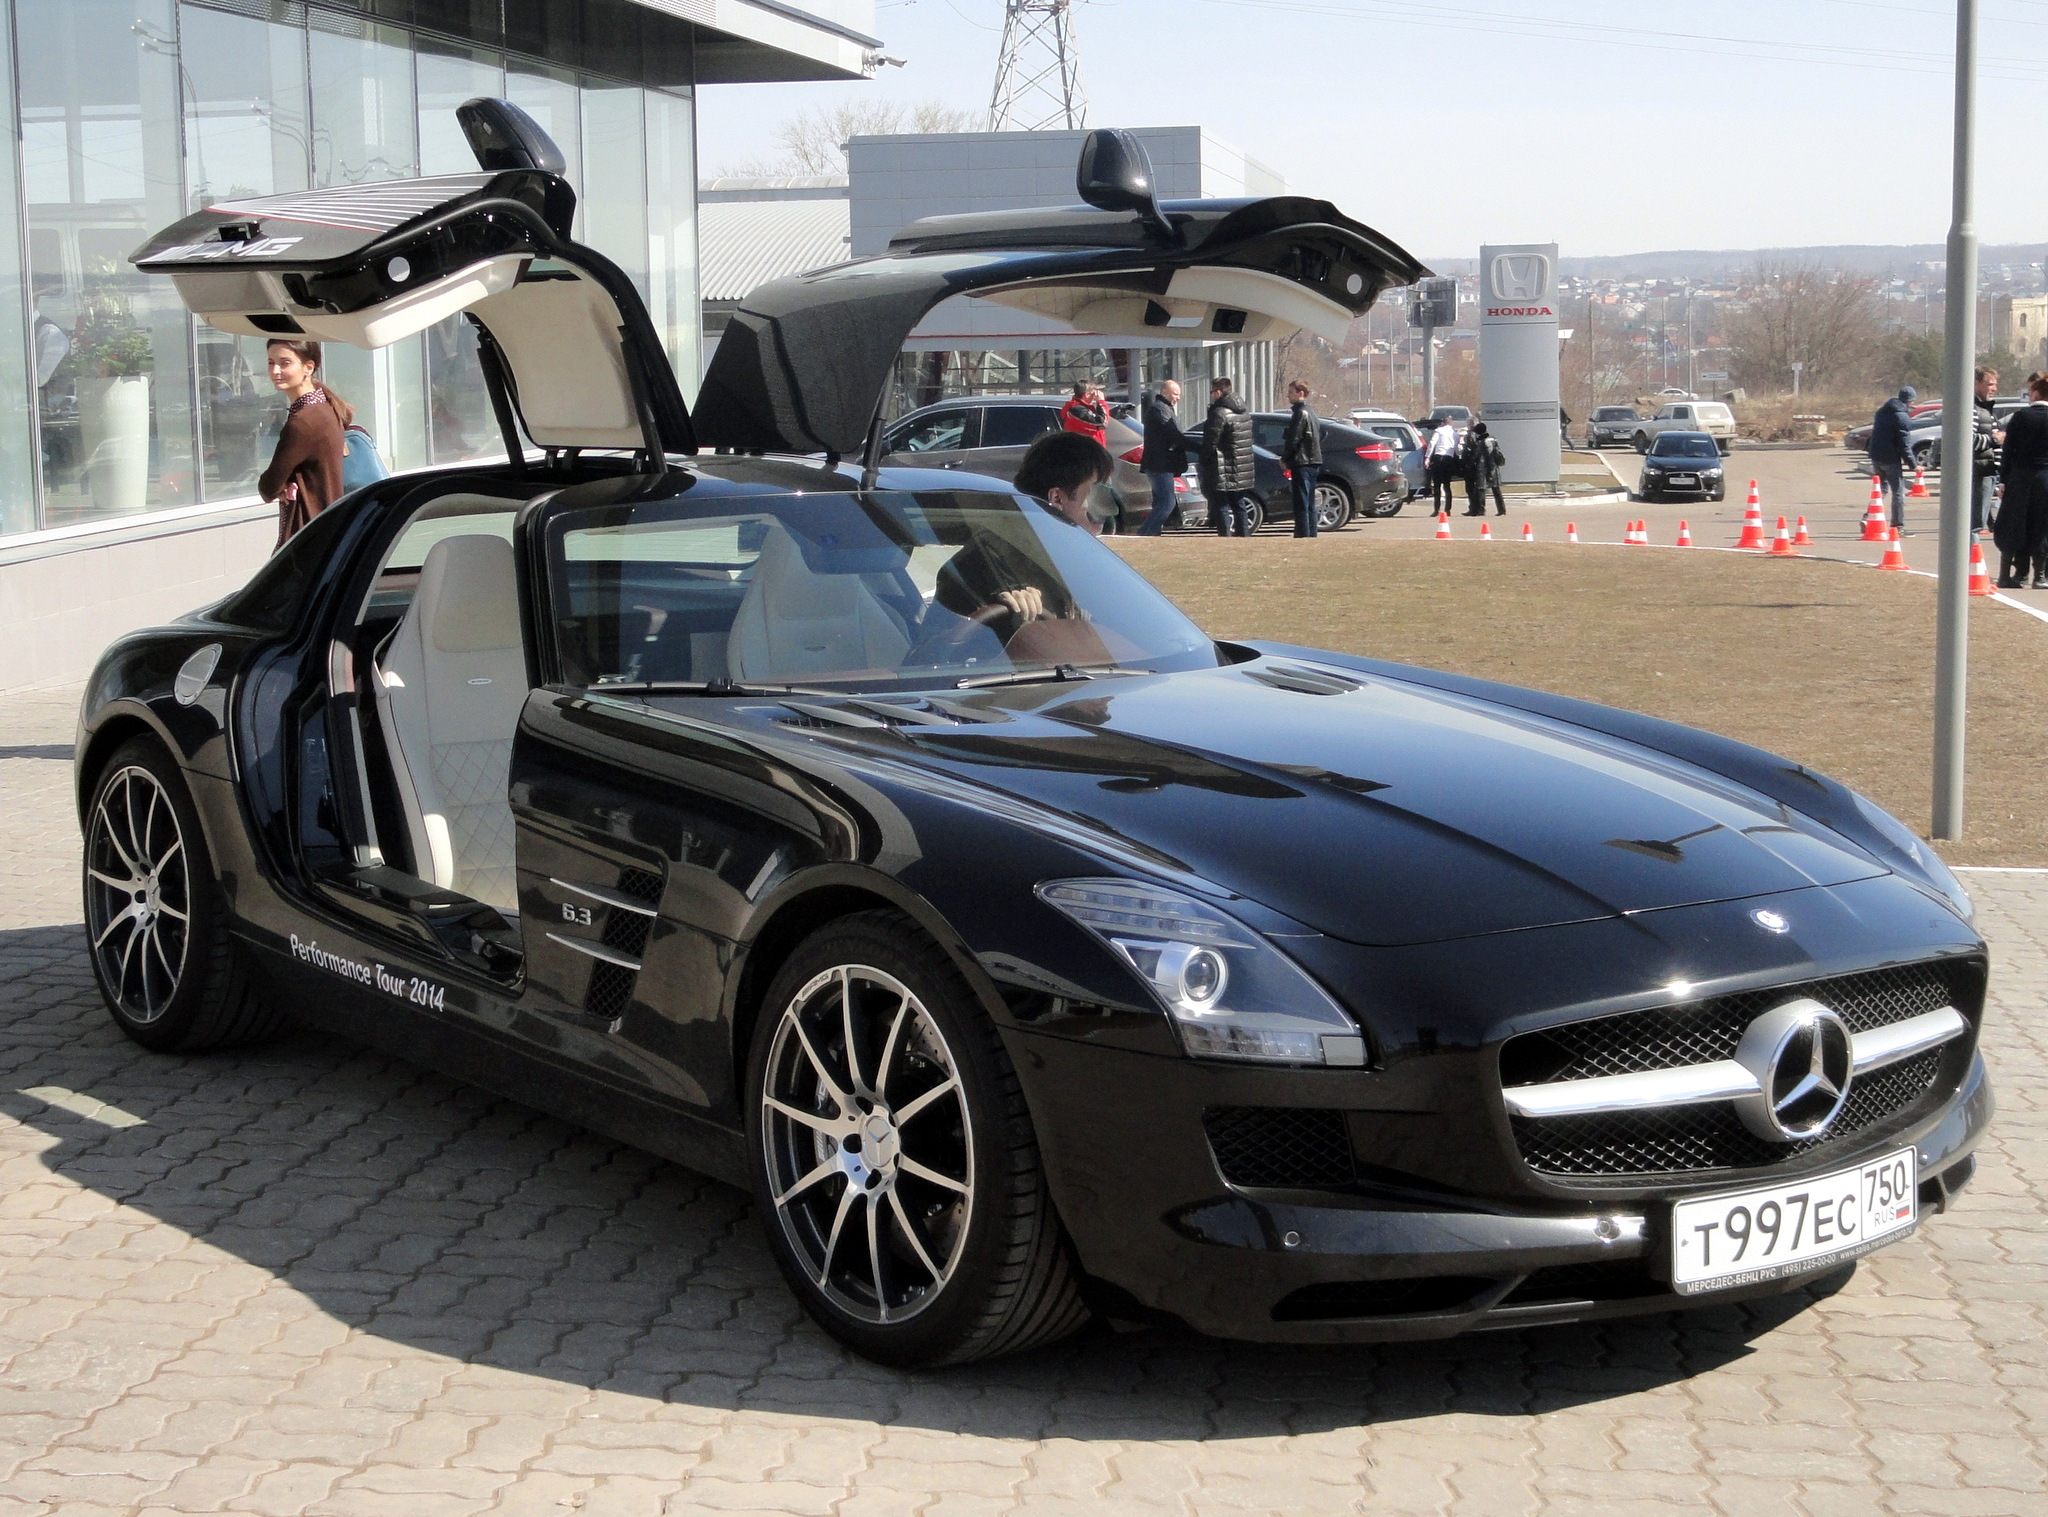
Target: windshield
x: 1676, y: 445
x: 887, y: 590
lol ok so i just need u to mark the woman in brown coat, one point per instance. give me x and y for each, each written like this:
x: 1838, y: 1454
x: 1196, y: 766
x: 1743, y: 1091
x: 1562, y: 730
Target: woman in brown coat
x: 304, y: 475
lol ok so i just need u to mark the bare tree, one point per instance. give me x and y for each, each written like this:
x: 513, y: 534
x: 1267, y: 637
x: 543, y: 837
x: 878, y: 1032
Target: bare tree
x: 1827, y: 319
x: 814, y: 142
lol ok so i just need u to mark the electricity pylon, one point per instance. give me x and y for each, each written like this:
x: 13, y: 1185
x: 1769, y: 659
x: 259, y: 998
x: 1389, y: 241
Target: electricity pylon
x: 1038, y: 75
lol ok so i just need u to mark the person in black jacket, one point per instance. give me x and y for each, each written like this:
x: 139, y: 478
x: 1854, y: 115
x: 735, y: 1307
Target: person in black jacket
x: 1889, y: 450
x: 1302, y: 452
x: 1228, y: 470
x: 1480, y: 458
x: 1986, y: 437
x: 1165, y: 456
x: 2022, y: 529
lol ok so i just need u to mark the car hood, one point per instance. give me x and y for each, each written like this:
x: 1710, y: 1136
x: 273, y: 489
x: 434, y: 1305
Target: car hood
x: 1384, y: 812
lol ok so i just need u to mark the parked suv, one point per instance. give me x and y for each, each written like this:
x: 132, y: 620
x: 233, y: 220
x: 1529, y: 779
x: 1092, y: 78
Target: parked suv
x: 1611, y: 424
x: 1400, y: 431
x: 987, y: 434
x: 1361, y: 473
x: 1708, y: 416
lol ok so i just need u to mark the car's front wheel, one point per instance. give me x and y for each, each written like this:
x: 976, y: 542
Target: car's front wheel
x: 1642, y: 441
x: 895, y: 1165
x: 155, y: 918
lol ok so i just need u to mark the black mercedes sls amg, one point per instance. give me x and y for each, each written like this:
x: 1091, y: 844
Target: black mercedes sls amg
x: 1028, y: 958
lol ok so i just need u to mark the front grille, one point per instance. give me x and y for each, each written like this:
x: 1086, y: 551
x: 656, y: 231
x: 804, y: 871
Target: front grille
x: 1279, y: 1145
x: 1711, y: 1136
x: 1704, y: 1031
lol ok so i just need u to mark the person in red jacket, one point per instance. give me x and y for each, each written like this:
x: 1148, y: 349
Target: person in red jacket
x: 1086, y: 413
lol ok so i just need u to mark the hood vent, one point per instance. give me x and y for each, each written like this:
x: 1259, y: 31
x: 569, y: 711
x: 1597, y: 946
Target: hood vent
x: 877, y: 714
x: 1303, y: 681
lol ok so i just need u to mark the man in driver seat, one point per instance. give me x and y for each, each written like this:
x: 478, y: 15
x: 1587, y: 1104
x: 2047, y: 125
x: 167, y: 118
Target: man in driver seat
x: 1005, y: 587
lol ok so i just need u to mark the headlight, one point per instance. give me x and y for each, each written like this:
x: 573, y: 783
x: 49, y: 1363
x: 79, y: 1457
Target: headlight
x: 1710, y: 473
x: 1232, y: 994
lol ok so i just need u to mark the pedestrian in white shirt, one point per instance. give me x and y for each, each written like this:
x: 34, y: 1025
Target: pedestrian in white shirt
x: 1440, y: 464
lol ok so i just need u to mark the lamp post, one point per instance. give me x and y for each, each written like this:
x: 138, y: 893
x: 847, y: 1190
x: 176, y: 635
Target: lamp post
x: 1798, y: 366
x: 1958, y: 418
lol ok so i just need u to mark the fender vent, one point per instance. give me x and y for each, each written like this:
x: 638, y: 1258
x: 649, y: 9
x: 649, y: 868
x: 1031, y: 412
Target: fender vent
x: 611, y: 985
x: 1280, y: 1145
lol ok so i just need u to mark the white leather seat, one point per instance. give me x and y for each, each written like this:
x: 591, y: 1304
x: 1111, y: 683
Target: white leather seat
x: 793, y: 622
x: 449, y: 692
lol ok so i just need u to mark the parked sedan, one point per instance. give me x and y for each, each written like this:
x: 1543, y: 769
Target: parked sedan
x: 1682, y: 465
x: 1609, y: 425
x: 890, y: 848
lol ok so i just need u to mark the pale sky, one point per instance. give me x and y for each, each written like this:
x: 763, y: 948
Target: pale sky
x: 1609, y: 126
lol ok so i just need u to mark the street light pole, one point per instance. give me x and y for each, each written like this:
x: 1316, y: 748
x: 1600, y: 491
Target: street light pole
x: 1958, y: 420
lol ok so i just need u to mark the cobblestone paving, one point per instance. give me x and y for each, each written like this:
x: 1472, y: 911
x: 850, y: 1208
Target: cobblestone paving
x: 315, y: 1279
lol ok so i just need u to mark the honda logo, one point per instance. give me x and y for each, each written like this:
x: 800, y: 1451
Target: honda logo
x: 1520, y: 276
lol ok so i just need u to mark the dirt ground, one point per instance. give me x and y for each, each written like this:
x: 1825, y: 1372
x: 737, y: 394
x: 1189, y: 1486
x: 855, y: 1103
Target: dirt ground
x: 1823, y: 662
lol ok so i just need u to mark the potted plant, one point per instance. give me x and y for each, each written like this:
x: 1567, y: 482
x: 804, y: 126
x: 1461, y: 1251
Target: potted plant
x: 113, y: 356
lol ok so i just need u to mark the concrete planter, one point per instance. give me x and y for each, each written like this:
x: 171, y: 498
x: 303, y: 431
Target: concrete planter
x: 113, y: 418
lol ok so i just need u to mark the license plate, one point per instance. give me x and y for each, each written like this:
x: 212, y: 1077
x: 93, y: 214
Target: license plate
x: 1684, y: 479
x: 1747, y: 1236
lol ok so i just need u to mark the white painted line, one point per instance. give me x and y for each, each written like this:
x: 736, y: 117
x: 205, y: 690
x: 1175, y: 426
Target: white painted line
x: 1993, y: 869
x: 89, y: 1107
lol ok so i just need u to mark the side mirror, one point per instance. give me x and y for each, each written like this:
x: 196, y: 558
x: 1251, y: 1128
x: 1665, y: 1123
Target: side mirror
x: 1115, y: 174
x: 504, y: 137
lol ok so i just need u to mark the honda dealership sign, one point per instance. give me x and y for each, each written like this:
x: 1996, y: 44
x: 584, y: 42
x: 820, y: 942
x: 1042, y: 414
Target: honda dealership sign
x: 1518, y: 357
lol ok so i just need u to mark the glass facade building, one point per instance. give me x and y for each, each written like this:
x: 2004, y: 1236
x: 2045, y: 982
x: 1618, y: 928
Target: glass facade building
x: 127, y: 114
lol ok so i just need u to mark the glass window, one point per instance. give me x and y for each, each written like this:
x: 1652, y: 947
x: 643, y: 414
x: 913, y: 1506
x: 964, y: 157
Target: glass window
x: 448, y: 75
x: 17, y: 364
x: 672, y: 234
x: 939, y: 432
x: 1016, y: 426
x: 100, y: 149
x: 366, y: 130
x: 551, y: 98
x: 245, y: 135
x: 612, y: 216
x: 888, y: 590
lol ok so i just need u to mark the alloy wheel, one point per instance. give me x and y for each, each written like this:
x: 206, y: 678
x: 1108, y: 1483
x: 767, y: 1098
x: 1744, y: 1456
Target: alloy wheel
x: 869, y: 1143
x: 138, y: 893
x: 1333, y: 508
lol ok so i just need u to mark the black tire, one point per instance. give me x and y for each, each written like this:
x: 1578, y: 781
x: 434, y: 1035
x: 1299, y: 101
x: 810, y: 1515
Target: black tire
x: 1252, y: 513
x: 1332, y: 501
x: 173, y: 977
x: 1007, y: 1282
x: 1642, y: 442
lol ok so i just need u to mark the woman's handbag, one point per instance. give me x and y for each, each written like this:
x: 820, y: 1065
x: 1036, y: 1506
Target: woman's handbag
x: 361, y: 464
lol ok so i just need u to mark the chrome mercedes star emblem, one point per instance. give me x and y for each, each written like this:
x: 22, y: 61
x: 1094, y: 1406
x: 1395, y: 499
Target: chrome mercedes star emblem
x: 1801, y: 1057
x: 1770, y: 921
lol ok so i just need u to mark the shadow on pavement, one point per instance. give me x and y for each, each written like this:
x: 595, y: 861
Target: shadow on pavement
x: 446, y: 1221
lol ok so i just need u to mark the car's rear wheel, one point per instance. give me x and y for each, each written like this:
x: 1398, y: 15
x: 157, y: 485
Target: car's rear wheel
x: 1642, y: 442
x: 895, y: 1165
x: 155, y: 919
x: 1333, y: 506
x: 1251, y: 513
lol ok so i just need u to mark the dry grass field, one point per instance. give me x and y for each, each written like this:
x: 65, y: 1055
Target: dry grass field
x: 1823, y: 662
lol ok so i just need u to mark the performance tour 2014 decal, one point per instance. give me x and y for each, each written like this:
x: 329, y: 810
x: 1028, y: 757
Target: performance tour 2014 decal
x: 407, y: 987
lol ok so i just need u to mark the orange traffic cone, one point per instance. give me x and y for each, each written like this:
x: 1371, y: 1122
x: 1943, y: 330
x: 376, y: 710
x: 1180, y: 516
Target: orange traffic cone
x: 1443, y: 526
x: 1640, y: 536
x: 1874, y: 528
x: 1485, y: 532
x: 1980, y: 582
x: 1894, y: 555
x: 1684, y: 534
x: 1919, y: 490
x: 1752, y: 521
x: 1781, y: 545
x: 1800, y: 536
x: 1571, y: 531
x: 1528, y: 532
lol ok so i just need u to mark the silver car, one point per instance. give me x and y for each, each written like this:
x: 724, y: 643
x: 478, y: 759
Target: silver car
x: 987, y: 434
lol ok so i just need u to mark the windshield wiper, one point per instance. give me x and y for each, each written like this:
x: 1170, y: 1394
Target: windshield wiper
x: 705, y: 687
x: 1054, y: 675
